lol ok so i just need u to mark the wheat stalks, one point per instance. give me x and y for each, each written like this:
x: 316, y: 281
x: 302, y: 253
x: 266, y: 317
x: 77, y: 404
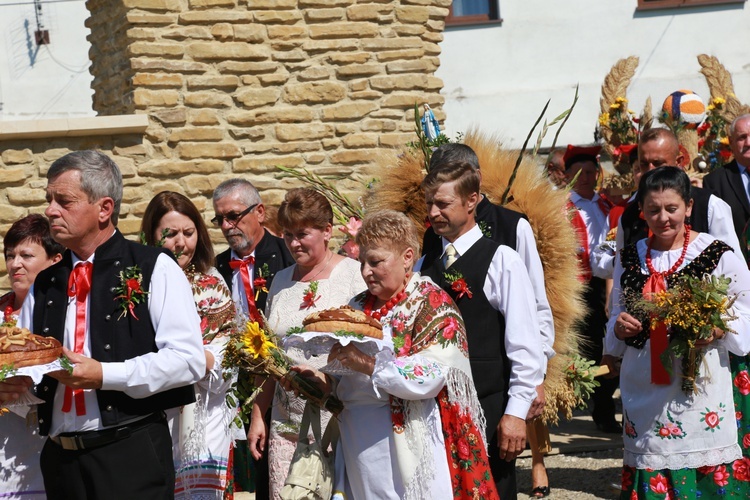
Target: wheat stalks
x: 504, y: 199
x: 647, y: 117
x: 720, y: 84
x: 617, y: 81
x: 616, y: 85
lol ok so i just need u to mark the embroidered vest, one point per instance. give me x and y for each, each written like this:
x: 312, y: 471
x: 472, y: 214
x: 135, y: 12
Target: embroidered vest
x: 111, y: 339
x: 633, y: 279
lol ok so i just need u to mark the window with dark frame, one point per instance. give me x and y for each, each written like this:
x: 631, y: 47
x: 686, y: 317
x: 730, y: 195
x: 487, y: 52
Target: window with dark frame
x: 473, y: 12
x: 669, y: 4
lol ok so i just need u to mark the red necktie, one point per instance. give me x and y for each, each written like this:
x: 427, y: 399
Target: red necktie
x: 243, y: 266
x: 79, y: 284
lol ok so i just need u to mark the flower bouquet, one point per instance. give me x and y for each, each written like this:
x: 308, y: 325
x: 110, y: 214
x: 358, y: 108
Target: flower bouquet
x: 255, y: 348
x: 713, y: 139
x: 691, y: 309
x: 619, y: 127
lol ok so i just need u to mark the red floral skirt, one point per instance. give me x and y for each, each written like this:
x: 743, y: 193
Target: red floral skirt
x: 467, y: 456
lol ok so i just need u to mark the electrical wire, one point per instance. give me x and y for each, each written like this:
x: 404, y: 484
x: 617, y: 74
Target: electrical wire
x: 42, y: 1
x: 55, y: 99
x: 82, y: 69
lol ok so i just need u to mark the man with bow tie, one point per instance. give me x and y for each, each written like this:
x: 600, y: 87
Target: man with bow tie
x: 254, y: 255
x: 248, y: 267
x: 125, y: 315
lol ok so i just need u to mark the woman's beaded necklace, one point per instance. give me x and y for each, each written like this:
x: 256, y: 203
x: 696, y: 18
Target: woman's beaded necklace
x: 390, y: 304
x: 677, y: 264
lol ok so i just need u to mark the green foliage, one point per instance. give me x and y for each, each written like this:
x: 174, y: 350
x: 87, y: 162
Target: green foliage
x: 6, y: 371
x: 580, y: 378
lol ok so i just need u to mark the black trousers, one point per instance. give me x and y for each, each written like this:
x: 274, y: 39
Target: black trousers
x: 593, y: 330
x: 503, y: 472
x: 137, y: 467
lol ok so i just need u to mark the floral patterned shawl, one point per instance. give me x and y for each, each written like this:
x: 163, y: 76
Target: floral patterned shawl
x: 430, y: 341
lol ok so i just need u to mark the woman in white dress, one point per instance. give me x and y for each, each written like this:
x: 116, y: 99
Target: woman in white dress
x: 28, y: 249
x: 676, y: 444
x: 202, y: 433
x: 320, y: 279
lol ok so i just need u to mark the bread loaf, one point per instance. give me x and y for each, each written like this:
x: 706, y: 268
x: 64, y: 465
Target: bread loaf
x: 19, y: 347
x: 344, y: 319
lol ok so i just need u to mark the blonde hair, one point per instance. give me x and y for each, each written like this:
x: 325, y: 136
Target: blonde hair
x: 389, y: 229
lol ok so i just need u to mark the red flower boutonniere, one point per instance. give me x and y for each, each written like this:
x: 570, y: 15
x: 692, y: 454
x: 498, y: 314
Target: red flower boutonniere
x: 130, y: 292
x: 311, y: 295
x: 260, y: 283
x: 458, y: 284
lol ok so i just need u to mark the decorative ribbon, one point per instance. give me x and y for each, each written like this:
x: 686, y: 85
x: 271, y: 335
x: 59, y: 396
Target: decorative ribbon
x: 244, y: 266
x: 654, y: 284
x: 79, y: 285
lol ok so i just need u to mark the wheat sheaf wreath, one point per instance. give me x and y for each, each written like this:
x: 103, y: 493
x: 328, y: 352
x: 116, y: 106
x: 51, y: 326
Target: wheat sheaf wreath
x: 400, y: 175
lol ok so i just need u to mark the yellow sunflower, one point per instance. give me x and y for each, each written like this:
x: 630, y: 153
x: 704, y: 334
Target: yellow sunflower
x: 255, y: 341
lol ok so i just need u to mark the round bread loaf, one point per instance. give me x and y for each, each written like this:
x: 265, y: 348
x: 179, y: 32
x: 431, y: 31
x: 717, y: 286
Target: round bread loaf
x: 345, y: 319
x: 19, y: 347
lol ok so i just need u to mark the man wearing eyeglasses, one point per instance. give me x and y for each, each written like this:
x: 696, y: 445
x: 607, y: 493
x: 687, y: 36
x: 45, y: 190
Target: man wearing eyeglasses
x: 240, y: 214
x: 253, y: 254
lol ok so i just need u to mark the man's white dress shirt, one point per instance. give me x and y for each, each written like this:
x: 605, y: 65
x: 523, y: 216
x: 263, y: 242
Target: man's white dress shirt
x: 508, y: 289
x: 179, y: 360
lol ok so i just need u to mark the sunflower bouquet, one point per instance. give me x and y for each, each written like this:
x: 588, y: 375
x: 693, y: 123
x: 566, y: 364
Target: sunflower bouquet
x: 255, y: 348
x: 691, y: 309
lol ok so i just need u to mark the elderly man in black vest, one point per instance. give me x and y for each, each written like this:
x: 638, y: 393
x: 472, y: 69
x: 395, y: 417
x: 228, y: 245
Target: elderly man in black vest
x: 125, y: 315
x: 498, y: 307
x: 240, y: 214
x: 253, y: 254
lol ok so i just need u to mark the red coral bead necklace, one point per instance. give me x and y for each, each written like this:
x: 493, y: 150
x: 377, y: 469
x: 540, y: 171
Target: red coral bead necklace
x: 390, y: 304
x: 677, y: 264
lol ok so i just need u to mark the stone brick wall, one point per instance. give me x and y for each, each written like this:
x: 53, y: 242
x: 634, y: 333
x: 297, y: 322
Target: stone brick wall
x: 235, y: 87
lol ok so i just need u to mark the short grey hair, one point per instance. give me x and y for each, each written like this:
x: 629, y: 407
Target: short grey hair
x: 733, y: 125
x: 100, y: 176
x: 248, y: 194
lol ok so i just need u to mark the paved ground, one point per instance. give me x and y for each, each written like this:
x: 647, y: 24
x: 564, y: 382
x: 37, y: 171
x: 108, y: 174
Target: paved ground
x: 584, y: 463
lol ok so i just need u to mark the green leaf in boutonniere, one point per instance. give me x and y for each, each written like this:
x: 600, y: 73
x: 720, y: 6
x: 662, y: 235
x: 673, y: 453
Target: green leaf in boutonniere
x: 458, y: 283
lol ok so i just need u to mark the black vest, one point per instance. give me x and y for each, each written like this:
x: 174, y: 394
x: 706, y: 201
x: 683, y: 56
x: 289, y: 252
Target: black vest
x: 112, y: 339
x: 497, y: 223
x: 270, y: 251
x: 485, y: 326
x: 635, y: 229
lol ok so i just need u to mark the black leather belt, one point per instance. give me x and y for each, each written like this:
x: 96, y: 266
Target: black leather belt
x: 74, y: 441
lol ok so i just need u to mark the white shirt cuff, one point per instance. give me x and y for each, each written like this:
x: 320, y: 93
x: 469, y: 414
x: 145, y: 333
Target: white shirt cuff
x: 114, y: 376
x: 518, y: 408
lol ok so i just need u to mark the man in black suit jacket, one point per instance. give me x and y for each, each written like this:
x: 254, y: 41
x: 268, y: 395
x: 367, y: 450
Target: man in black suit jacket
x: 253, y: 254
x: 730, y: 182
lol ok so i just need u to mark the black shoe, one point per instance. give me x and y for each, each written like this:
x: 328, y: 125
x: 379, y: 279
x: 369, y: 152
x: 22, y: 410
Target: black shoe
x: 611, y: 427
